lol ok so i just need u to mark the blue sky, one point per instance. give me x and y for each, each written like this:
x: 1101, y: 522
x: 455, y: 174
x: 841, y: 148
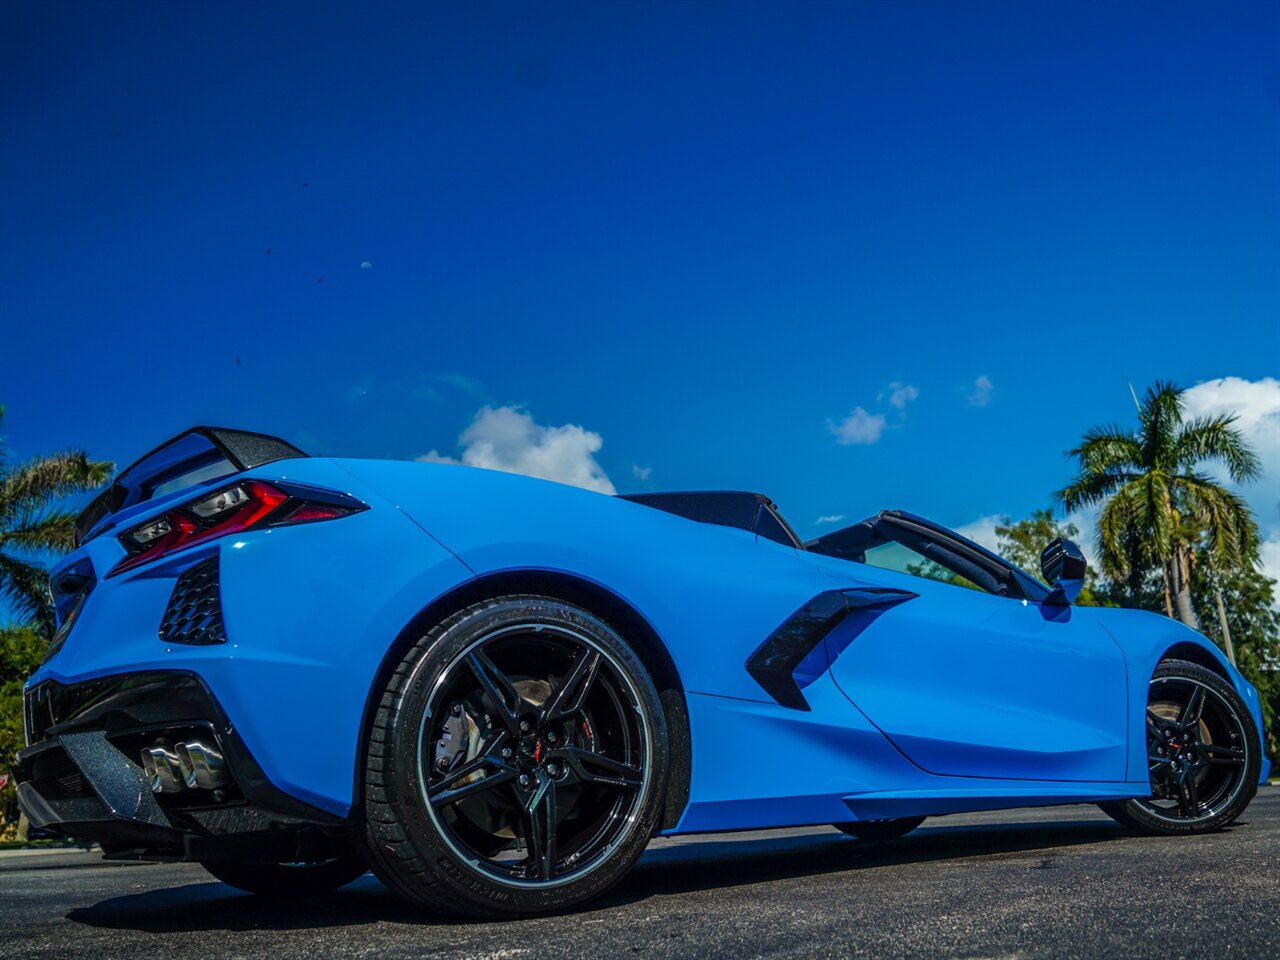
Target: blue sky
x: 687, y: 242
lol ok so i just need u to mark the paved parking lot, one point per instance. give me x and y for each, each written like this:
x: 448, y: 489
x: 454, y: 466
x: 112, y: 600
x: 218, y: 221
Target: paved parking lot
x: 1064, y: 882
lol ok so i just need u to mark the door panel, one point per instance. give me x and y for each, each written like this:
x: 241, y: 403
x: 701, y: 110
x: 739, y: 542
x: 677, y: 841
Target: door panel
x: 969, y: 684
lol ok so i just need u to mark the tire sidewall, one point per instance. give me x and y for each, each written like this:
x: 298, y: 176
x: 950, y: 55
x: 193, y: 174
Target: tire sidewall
x: 401, y: 775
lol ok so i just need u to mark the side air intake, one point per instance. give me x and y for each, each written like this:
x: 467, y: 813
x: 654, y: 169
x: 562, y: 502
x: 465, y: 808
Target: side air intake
x: 774, y: 663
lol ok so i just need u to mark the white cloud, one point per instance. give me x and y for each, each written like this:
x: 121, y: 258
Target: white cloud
x: 641, y: 473
x: 858, y: 427
x: 1271, y: 561
x: 1256, y: 406
x: 983, y: 388
x: 863, y: 427
x: 366, y: 265
x: 901, y: 394
x: 508, y: 439
x: 830, y: 518
x: 982, y: 531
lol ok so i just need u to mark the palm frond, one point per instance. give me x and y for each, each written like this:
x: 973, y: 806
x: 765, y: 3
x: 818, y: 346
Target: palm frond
x: 1109, y: 448
x: 1090, y: 488
x: 1115, y: 521
x: 1157, y: 517
x: 40, y: 533
x: 1160, y: 415
x: 1215, y: 438
x: 25, y: 587
x: 1223, y: 518
x: 38, y: 482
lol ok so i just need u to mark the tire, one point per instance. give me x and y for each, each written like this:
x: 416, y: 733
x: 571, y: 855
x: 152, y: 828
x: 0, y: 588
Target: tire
x: 516, y: 762
x: 1204, y: 753
x: 873, y: 831
x: 287, y: 880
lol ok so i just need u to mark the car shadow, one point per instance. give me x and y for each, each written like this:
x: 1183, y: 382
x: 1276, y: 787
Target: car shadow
x: 667, y: 867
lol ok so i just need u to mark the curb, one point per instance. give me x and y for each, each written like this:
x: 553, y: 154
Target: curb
x: 46, y: 851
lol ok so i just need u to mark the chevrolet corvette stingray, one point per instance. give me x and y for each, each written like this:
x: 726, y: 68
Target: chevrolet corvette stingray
x: 494, y: 690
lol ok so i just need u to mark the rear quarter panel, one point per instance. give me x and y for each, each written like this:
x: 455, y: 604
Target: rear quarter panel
x: 711, y: 593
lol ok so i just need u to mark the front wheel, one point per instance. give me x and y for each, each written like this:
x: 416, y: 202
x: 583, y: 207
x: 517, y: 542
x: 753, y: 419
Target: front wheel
x: 875, y: 830
x: 1203, y: 754
x: 282, y: 880
x: 516, y: 763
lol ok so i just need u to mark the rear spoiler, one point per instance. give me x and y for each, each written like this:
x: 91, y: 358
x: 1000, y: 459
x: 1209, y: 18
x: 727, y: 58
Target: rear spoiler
x: 199, y: 454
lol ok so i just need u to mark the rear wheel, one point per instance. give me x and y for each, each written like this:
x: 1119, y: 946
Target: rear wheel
x: 1202, y: 752
x: 873, y: 830
x: 516, y: 763
x: 282, y: 880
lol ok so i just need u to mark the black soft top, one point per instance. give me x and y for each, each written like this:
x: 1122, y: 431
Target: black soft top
x: 741, y: 509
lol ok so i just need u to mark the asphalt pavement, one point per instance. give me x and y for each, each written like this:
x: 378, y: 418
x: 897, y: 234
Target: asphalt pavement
x: 1060, y: 882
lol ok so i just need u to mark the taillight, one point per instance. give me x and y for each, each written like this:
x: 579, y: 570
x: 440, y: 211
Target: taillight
x: 247, y: 505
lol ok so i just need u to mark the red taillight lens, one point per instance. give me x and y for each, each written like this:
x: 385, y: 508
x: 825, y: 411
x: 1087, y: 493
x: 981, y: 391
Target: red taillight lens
x: 243, y: 506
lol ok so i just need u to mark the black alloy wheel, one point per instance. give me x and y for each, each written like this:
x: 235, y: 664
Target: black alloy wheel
x: 1203, y: 754
x: 517, y: 761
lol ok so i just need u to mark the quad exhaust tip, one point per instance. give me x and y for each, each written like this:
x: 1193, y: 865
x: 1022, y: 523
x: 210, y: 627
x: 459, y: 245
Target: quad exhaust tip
x: 191, y: 765
x: 163, y: 772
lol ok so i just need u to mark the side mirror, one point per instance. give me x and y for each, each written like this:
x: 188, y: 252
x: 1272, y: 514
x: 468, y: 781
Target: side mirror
x: 1062, y: 566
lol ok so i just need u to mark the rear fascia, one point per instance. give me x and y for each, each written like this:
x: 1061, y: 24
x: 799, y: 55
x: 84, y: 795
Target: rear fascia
x: 308, y: 610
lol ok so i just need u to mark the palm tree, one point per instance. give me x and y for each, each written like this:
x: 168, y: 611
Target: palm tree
x: 1157, y: 507
x: 31, y: 525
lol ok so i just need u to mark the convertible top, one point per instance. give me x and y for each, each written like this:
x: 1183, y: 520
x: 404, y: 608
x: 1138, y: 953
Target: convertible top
x: 740, y: 509
x: 934, y: 542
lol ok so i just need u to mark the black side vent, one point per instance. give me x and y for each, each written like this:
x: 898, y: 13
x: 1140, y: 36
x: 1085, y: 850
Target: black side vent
x: 194, y: 614
x: 774, y: 663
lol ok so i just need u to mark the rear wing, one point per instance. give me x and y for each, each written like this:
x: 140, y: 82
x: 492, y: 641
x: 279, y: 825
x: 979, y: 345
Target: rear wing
x: 200, y: 454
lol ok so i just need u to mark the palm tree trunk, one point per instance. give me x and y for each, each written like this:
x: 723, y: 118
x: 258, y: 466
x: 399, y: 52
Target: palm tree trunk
x: 1168, y: 599
x: 1182, y: 588
x: 1222, y: 613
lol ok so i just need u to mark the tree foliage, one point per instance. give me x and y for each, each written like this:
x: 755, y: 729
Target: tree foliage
x: 1158, y: 509
x: 1021, y: 543
x: 21, y: 650
x: 32, y: 526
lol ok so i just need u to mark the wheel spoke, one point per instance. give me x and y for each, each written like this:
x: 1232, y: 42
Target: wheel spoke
x: 1190, y: 715
x: 540, y: 820
x: 488, y: 762
x: 1223, y: 749
x: 1192, y: 793
x: 494, y: 775
x: 1184, y: 806
x: 498, y: 689
x: 606, y: 772
x: 573, y: 690
x: 1222, y: 755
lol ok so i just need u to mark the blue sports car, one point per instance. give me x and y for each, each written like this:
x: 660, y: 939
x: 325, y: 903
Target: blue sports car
x: 494, y: 690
